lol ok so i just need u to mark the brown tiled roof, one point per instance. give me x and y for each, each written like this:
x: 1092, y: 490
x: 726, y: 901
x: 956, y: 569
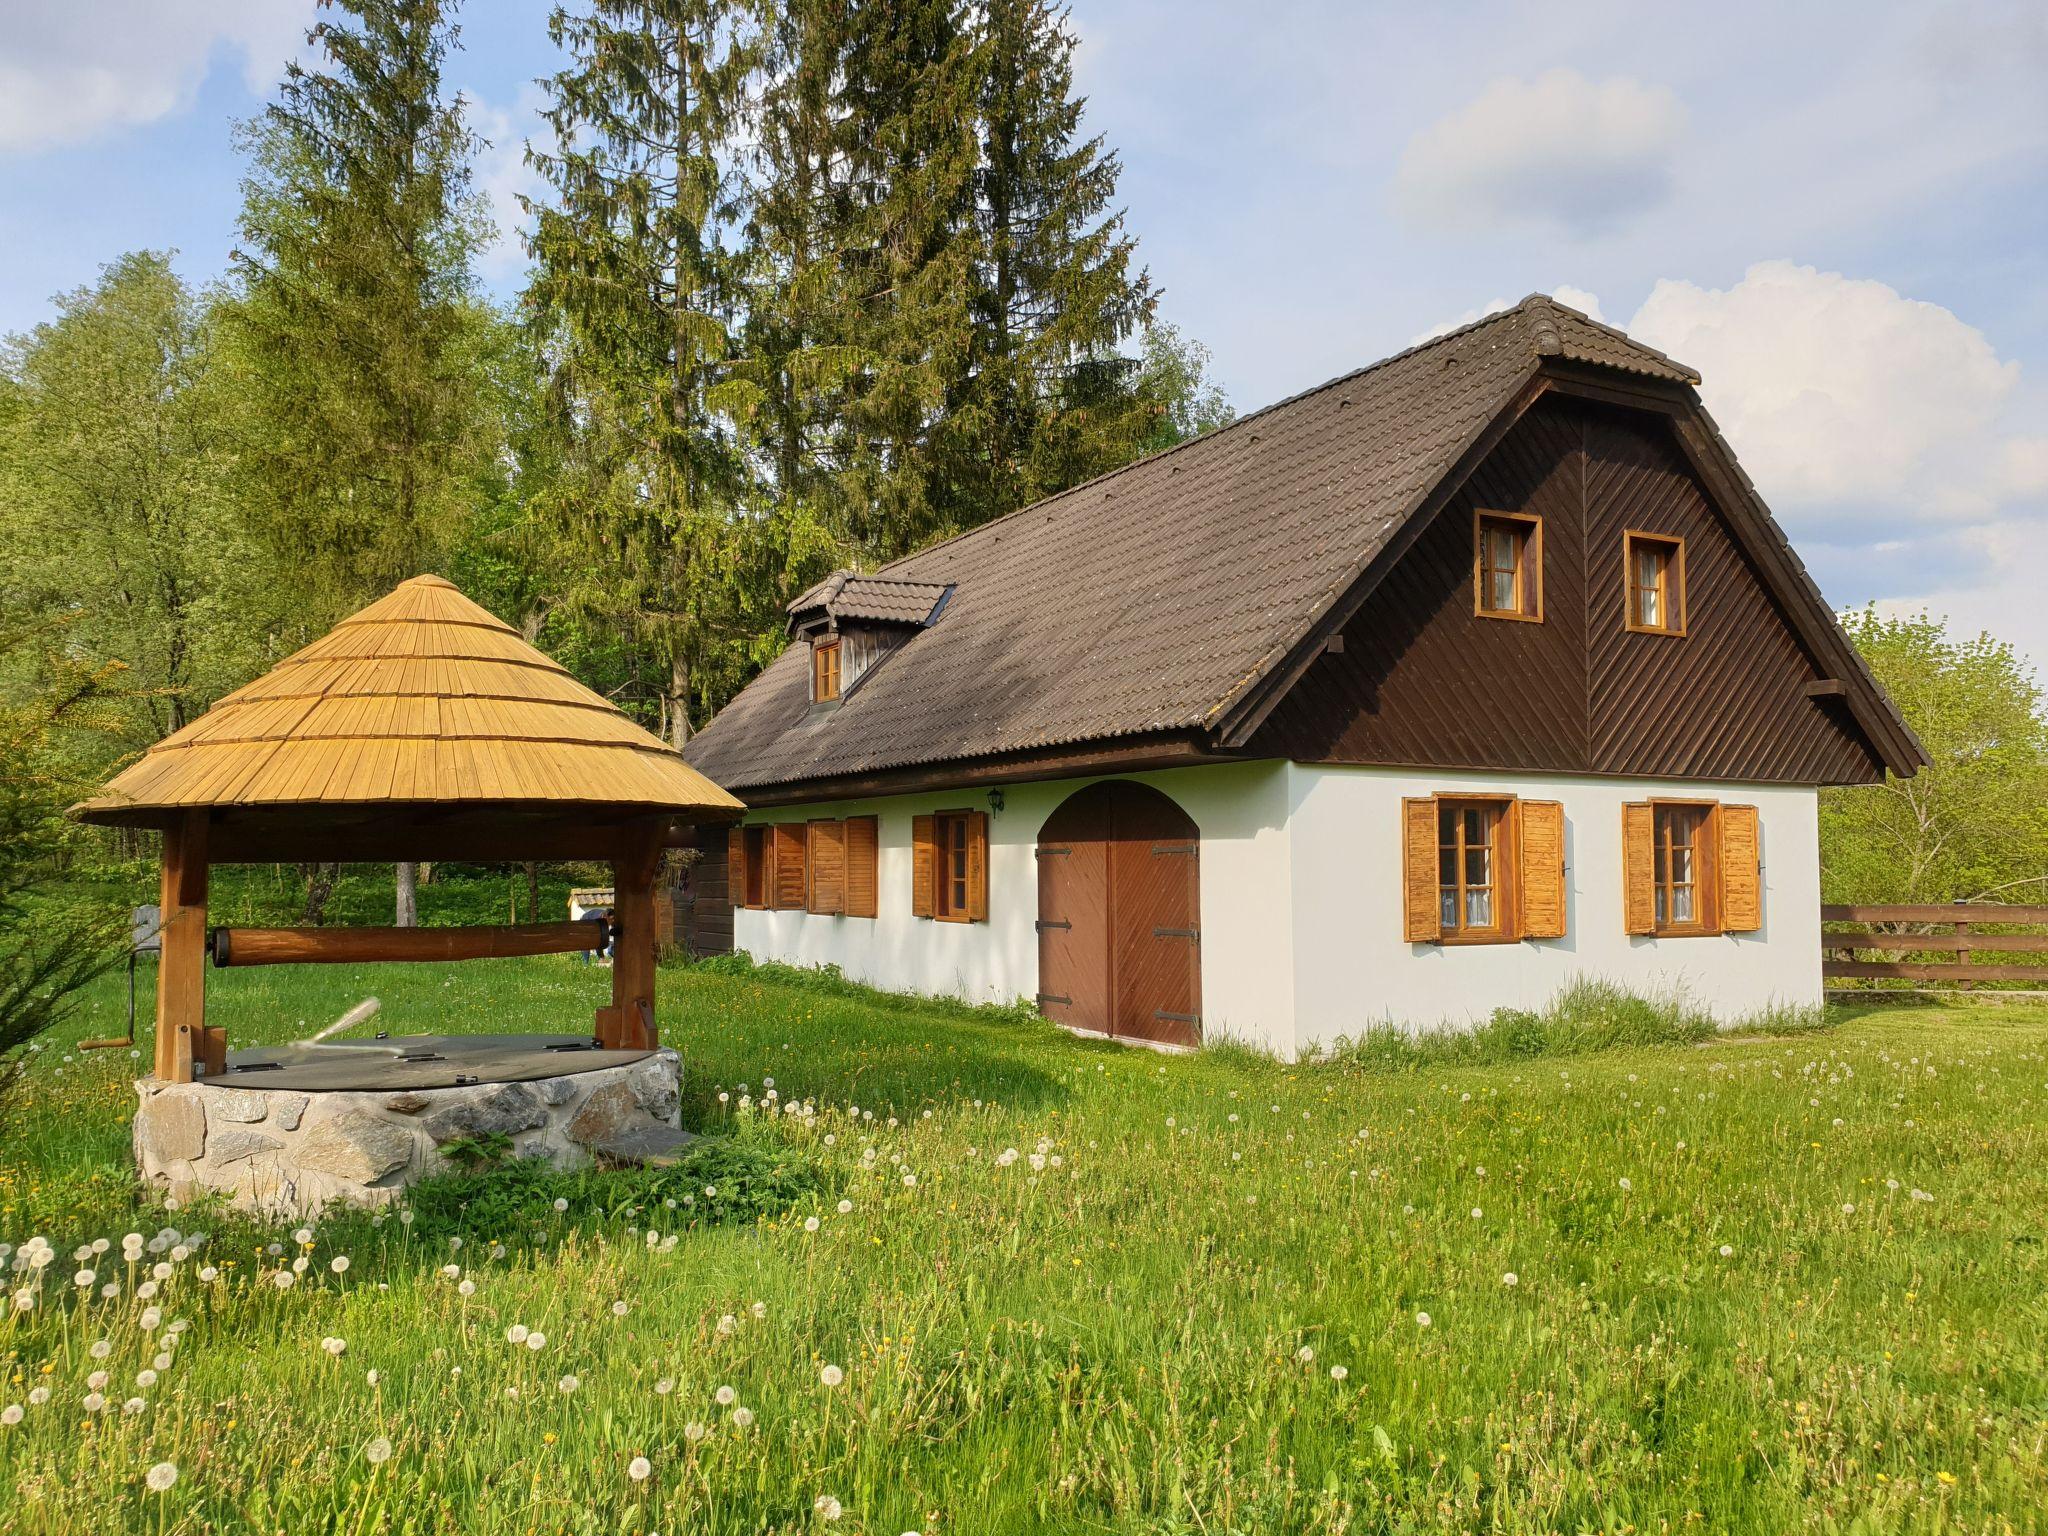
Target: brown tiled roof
x: 1153, y: 598
x: 873, y: 599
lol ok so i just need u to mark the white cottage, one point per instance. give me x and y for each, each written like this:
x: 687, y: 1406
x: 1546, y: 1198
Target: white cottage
x: 1414, y: 696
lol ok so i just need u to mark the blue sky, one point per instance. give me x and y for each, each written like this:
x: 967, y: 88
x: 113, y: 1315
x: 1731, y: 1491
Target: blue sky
x: 1839, y: 213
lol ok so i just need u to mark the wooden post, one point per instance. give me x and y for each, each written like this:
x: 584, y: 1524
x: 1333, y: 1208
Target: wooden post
x: 629, y: 1023
x: 181, y: 969
x: 1962, y: 951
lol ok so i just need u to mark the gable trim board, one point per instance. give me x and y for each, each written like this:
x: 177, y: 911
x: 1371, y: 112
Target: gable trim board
x: 1112, y: 687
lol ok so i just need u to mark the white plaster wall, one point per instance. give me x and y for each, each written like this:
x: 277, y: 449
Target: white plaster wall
x: 1247, y: 946
x: 1353, y: 969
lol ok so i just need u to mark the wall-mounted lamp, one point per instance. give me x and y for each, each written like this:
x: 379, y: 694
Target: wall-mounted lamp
x: 995, y: 799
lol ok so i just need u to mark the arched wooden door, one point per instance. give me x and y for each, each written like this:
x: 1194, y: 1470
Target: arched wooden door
x: 1119, y: 912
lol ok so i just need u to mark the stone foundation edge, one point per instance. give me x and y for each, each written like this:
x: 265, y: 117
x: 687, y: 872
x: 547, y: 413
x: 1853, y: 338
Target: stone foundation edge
x: 281, y: 1153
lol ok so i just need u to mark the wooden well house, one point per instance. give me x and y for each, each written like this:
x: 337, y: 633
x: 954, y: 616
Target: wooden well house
x: 422, y: 728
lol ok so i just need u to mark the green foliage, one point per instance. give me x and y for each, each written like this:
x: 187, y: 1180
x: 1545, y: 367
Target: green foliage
x: 475, y: 1153
x: 1175, y: 380
x: 113, y: 496
x: 715, y: 1181
x: 48, y: 952
x: 1973, y: 824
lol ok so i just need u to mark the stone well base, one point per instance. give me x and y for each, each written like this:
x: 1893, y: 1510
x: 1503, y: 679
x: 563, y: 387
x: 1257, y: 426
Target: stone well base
x: 285, y: 1153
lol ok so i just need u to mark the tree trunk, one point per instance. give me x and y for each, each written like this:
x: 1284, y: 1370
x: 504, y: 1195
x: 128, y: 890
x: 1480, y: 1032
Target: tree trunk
x: 320, y: 880
x: 532, y: 892
x: 678, y: 702
x: 408, y: 900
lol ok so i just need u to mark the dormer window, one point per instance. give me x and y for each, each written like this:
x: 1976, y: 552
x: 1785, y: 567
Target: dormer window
x: 1654, y: 570
x: 824, y: 670
x: 1508, y: 565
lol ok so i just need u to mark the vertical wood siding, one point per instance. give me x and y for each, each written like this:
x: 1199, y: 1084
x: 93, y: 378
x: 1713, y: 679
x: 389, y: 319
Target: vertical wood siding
x: 1423, y: 680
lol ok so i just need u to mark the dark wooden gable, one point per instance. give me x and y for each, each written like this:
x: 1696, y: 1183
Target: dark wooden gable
x: 1421, y: 679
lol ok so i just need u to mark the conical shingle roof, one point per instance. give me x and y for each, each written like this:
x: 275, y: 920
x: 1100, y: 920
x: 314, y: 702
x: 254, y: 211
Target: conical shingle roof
x: 422, y: 698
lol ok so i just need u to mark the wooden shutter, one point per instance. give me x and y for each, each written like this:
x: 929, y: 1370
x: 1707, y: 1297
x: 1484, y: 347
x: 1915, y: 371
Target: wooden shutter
x: 924, y: 864
x: 736, y: 865
x: 1639, y: 867
x: 790, y: 883
x: 827, y: 853
x: 862, y: 838
x: 977, y: 866
x: 1420, y: 921
x: 1539, y: 843
x: 1742, y: 885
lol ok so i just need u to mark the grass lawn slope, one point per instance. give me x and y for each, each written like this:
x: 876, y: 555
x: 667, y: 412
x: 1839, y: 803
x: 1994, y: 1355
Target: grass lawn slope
x: 967, y: 1275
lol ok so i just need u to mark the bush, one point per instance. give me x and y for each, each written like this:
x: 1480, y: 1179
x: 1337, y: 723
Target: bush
x: 1588, y: 1015
x: 716, y: 1181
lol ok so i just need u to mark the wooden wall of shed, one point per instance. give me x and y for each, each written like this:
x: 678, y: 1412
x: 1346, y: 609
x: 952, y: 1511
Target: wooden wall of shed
x: 693, y: 910
x: 1424, y: 680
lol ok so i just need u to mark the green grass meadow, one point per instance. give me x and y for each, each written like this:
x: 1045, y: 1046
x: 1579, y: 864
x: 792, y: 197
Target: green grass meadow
x: 1005, y: 1280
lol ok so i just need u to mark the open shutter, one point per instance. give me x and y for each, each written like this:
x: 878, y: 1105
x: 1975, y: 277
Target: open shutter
x: 736, y: 865
x: 1639, y: 867
x: 923, y: 865
x: 862, y: 837
x: 827, y: 853
x: 1539, y: 840
x: 1420, y: 921
x: 791, y: 886
x: 977, y: 866
x: 1742, y: 885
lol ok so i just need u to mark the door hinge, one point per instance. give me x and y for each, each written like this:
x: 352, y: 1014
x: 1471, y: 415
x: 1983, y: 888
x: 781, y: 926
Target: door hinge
x: 1176, y: 933
x: 1054, y: 997
x: 1047, y: 853
x: 1159, y: 848
x: 1177, y: 1018
x: 1051, y: 922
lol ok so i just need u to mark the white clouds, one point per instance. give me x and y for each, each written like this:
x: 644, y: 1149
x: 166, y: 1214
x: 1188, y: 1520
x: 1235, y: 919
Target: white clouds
x: 1559, y: 150
x: 1848, y: 401
x: 503, y: 176
x: 70, y: 70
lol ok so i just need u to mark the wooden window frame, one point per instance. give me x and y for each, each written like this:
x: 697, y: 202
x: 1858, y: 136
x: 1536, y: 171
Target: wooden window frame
x: 1676, y: 607
x: 1506, y: 871
x: 1528, y: 567
x: 756, y: 842
x: 1706, y: 873
x: 826, y: 657
x: 946, y: 826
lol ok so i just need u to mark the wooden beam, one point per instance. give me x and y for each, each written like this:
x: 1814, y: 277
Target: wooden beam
x: 1953, y: 912
x: 1826, y: 688
x: 350, y: 946
x: 629, y: 1023
x: 1959, y: 943
x: 181, y: 969
x: 1873, y: 970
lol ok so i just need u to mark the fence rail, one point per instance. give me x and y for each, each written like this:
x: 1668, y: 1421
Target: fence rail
x: 1907, y: 930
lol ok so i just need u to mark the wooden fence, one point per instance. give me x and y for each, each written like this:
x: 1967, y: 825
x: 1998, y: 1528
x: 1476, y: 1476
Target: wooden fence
x: 1956, y: 932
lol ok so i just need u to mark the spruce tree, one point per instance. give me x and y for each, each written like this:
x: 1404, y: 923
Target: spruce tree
x: 910, y: 425
x: 355, y: 325
x: 636, y: 292
x: 1058, y: 291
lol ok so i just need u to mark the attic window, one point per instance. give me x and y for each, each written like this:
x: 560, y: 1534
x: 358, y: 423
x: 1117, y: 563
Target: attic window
x: 824, y: 670
x: 1653, y: 569
x: 1507, y: 563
